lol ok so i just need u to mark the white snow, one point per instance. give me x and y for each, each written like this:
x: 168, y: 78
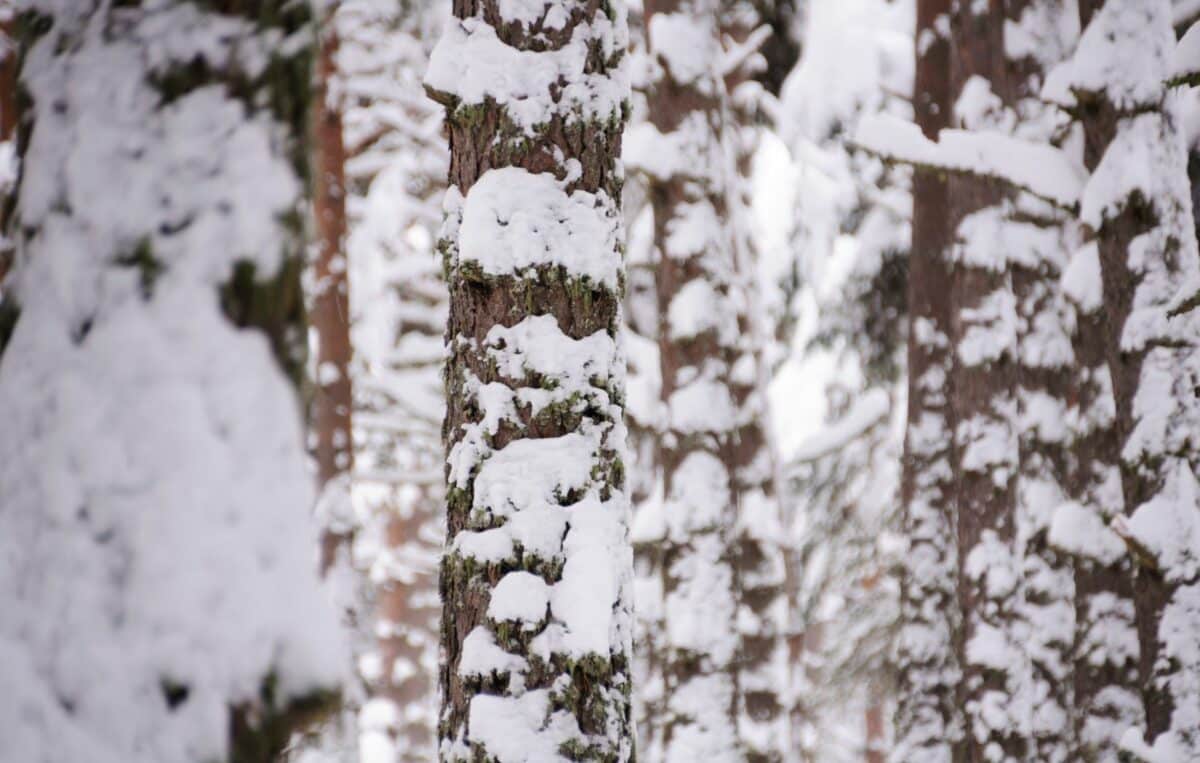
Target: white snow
x: 154, y: 487
x: 472, y: 64
x: 1041, y: 169
x: 513, y: 219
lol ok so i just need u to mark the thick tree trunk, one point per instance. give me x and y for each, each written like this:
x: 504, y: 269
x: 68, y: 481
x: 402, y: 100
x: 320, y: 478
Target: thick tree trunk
x: 983, y: 396
x: 537, y: 624
x: 153, y: 478
x: 929, y: 724
x: 329, y: 312
x: 1147, y: 250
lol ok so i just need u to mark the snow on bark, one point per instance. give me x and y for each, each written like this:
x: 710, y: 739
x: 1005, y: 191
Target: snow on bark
x: 158, y: 558
x: 761, y: 571
x: 329, y: 305
x: 1137, y: 205
x: 721, y: 665
x: 536, y: 578
x: 984, y: 396
x: 929, y: 723
x: 1036, y: 237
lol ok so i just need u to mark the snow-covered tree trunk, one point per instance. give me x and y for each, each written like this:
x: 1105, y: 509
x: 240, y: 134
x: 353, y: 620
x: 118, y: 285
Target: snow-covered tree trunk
x: 682, y: 151
x: 983, y: 396
x: 161, y: 594
x: 537, y: 625
x: 928, y: 718
x: 1137, y: 204
x: 1037, y: 237
x: 329, y: 310
x: 760, y: 566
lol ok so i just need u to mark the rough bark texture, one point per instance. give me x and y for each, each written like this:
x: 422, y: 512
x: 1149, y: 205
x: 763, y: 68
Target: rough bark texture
x: 329, y: 311
x: 928, y: 716
x: 1146, y: 243
x: 543, y: 671
x: 1040, y: 239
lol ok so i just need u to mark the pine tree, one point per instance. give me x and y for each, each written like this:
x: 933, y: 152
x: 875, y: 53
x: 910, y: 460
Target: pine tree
x: 537, y: 625
x: 929, y: 725
x: 983, y: 396
x: 161, y: 596
x: 682, y: 151
x: 329, y: 310
x: 1137, y: 205
x: 759, y: 554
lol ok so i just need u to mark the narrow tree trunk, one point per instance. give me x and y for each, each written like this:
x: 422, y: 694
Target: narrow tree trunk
x: 330, y: 307
x: 1147, y: 251
x: 1039, y: 238
x: 697, y: 336
x: 928, y: 716
x: 761, y: 568
x: 395, y: 182
x: 8, y: 133
x: 537, y: 623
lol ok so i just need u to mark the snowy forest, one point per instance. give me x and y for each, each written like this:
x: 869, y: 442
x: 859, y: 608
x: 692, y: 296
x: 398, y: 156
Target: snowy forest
x: 522, y: 381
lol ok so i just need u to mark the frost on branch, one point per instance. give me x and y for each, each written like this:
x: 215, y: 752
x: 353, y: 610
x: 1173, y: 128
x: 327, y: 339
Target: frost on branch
x: 159, y: 569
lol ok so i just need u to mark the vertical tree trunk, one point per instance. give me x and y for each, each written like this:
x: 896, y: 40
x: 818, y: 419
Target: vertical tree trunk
x: 154, y: 491
x: 683, y: 151
x: 760, y: 565
x: 8, y: 133
x: 330, y: 307
x: 929, y: 723
x: 983, y: 395
x: 1147, y: 253
x: 537, y: 624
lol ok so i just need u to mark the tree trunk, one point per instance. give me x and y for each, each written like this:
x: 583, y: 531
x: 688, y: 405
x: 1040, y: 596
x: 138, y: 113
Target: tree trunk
x: 760, y: 565
x: 537, y: 624
x: 1039, y: 239
x: 330, y: 307
x: 154, y: 492
x: 697, y: 336
x: 983, y: 396
x: 929, y: 724
x: 1147, y: 251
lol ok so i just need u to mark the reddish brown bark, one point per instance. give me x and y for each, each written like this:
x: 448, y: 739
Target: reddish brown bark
x: 330, y: 310
x: 928, y: 716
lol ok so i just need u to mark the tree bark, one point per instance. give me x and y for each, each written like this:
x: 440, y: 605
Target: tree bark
x: 537, y: 623
x: 761, y: 567
x: 929, y: 723
x: 983, y: 395
x: 1147, y: 249
x: 329, y: 312
x: 697, y: 335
